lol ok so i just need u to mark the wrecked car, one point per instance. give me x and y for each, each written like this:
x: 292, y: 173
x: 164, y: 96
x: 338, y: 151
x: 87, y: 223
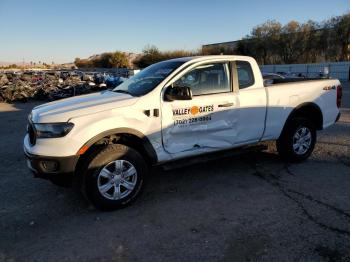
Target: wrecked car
x: 106, y: 142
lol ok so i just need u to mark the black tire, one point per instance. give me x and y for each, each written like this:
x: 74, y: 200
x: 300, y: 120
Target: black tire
x: 287, y: 140
x: 102, y: 158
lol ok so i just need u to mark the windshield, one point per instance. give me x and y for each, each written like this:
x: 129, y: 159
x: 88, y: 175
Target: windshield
x: 146, y: 80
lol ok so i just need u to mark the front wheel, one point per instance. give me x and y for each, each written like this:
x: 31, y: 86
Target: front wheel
x: 114, y: 177
x: 297, y: 141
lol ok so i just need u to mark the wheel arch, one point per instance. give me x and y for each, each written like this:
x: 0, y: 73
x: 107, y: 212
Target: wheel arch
x: 126, y: 136
x: 307, y: 110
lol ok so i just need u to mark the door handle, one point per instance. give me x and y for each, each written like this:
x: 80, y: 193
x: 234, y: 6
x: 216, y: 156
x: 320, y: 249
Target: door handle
x: 226, y: 105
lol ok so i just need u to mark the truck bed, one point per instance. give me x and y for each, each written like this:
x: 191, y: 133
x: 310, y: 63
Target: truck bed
x: 285, y: 96
x: 292, y: 80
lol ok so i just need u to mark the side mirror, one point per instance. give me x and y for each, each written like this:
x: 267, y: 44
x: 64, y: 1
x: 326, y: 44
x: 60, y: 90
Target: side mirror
x: 178, y: 93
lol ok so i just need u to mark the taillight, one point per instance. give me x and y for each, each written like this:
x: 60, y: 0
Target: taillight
x: 339, y: 95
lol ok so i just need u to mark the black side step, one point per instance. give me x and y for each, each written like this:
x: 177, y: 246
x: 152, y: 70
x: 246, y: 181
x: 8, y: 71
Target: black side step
x: 211, y: 156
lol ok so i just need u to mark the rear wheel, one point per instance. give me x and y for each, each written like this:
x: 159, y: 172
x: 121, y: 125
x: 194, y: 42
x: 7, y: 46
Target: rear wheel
x: 297, y: 140
x: 114, y: 177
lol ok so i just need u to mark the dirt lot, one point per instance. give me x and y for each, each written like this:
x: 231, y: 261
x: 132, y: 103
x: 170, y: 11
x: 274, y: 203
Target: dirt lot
x: 251, y: 207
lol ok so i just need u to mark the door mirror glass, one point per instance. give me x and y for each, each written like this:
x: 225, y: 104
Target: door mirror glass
x: 178, y: 93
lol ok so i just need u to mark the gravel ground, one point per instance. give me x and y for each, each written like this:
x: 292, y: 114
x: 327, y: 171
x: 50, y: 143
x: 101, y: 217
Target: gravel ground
x: 251, y: 207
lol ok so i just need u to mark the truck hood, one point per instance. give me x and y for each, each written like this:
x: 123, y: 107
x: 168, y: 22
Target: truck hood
x: 65, y: 109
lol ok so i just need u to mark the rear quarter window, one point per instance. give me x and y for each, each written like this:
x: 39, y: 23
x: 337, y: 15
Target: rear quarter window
x: 245, y: 74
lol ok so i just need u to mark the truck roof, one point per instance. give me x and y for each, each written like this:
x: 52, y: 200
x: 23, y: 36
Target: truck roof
x: 209, y: 57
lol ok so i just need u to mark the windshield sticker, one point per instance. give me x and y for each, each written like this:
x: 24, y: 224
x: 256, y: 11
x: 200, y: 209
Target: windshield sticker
x: 192, y: 115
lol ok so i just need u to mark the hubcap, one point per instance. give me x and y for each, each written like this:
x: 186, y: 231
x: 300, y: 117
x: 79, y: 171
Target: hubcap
x: 302, y: 140
x: 117, y: 179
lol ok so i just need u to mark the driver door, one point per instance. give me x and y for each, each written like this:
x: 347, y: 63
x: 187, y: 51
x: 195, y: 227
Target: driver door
x: 209, y: 120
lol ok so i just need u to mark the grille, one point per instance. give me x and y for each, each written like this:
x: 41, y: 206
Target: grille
x: 31, y: 133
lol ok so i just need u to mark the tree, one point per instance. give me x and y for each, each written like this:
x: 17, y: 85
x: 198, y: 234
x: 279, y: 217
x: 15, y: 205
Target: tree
x: 291, y: 42
x: 105, y: 60
x: 310, y: 42
x: 266, y: 38
x: 150, y: 55
x: 298, y: 43
x: 342, y: 29
x: 82, y: 63
x: 117, y: 59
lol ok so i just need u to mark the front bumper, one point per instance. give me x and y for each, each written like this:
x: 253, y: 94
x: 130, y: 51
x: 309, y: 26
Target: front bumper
x: 49, y: 167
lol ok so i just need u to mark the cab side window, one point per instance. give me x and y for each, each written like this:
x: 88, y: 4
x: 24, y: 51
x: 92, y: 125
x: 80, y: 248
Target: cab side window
x: 207, y: 79
x: 245, y: 74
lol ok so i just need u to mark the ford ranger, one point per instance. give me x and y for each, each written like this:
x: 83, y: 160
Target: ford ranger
x: 106, y: 142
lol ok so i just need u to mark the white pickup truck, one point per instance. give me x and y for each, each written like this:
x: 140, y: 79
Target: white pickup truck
x: 174, y: 109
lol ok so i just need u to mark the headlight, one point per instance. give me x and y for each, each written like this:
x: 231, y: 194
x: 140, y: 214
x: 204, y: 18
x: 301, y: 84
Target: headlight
x: 52, y: 130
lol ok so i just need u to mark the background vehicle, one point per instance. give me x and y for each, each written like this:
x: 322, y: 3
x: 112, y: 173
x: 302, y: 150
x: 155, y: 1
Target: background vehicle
x: 175, y: 109
x: 291, y: 75
x: 269, y: 78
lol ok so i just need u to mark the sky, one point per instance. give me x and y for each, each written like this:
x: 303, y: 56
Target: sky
x: 59, y: 31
